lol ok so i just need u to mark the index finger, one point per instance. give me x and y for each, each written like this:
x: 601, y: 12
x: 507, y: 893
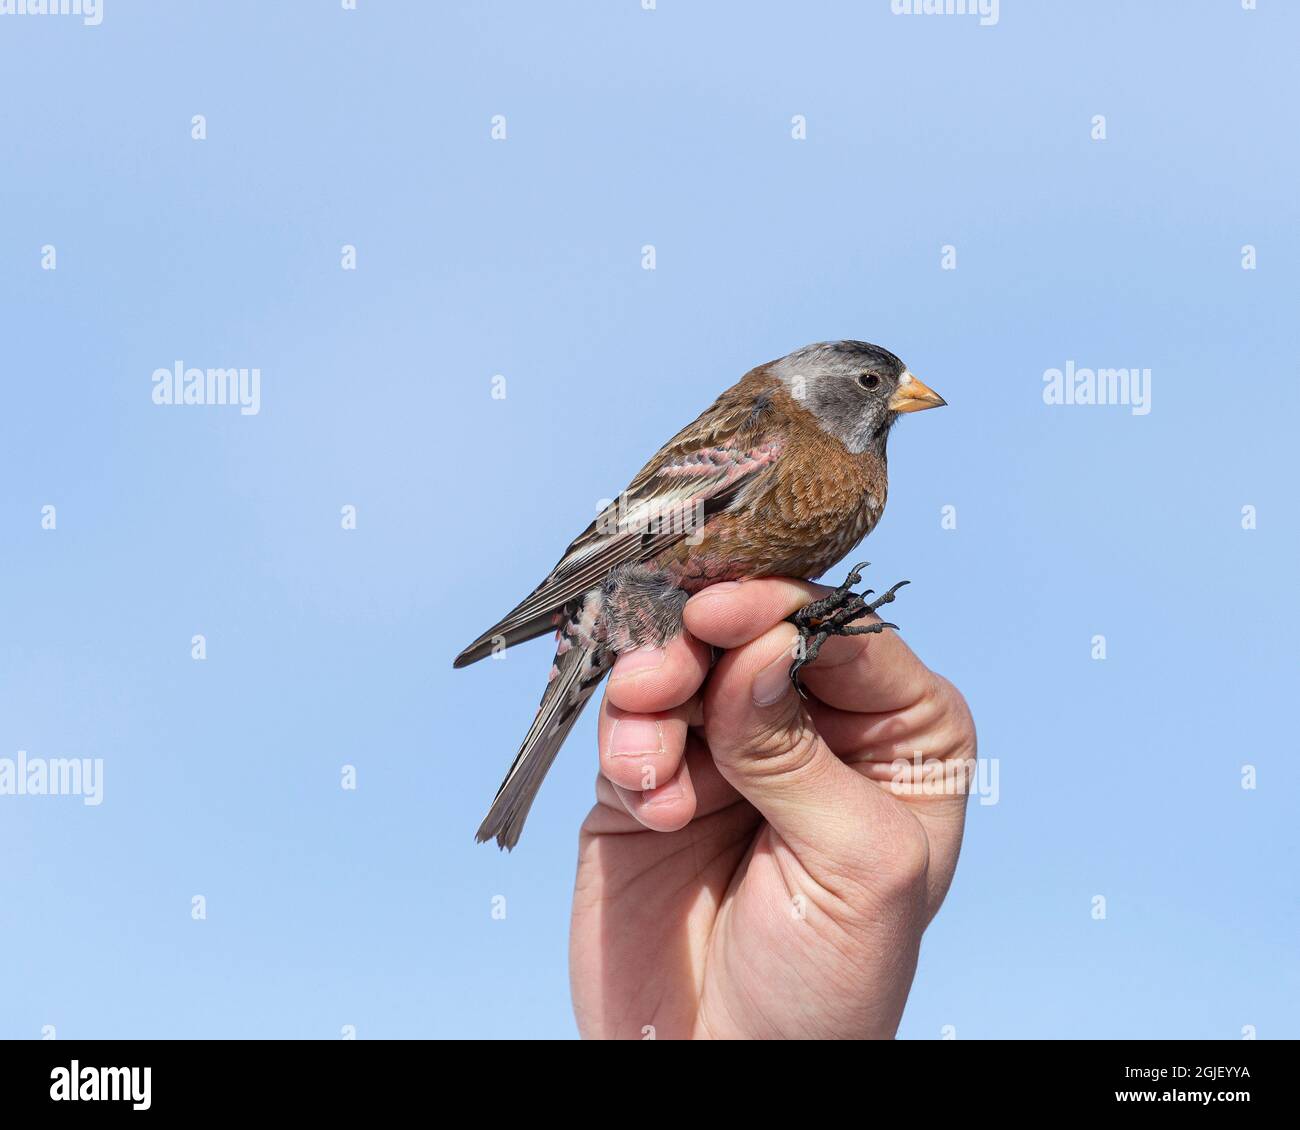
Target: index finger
x: 867, y: 674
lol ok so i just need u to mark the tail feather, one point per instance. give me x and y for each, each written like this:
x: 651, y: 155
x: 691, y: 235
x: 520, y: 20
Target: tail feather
x: 578, y: 672
x: 500, y: 635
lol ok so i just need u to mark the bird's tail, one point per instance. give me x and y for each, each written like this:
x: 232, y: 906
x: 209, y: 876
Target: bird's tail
x: 579, y: 668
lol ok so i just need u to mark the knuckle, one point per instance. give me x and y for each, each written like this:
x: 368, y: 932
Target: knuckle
x: 941, y: 711
x: 907, y: 859
x: 887, y: 876
x: 896, y: 872
x: 954, y: 712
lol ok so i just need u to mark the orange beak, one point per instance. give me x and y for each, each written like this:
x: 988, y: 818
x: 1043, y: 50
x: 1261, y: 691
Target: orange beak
x: 912, y: 396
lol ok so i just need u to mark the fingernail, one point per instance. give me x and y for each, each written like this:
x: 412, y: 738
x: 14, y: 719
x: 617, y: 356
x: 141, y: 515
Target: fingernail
x: 715, y: 590
x: 635, y: 737
x: 634, y: 662
x: 772, y: 683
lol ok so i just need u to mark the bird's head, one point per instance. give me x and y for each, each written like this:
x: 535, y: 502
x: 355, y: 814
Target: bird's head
x: 854, y: 389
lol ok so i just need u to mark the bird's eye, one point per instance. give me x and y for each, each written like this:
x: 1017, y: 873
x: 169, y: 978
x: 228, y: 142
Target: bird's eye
x: 869, y: 380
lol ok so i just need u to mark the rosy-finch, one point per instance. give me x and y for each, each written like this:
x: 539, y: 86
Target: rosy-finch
x: 781, y: 476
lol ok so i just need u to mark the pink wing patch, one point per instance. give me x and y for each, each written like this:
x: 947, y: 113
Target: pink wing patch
x: 730, y: 461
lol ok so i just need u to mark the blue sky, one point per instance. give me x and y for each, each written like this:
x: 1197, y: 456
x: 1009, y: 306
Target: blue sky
x: 522, y: 258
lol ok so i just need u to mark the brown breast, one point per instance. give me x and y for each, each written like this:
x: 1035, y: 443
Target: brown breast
x: 819, y: 501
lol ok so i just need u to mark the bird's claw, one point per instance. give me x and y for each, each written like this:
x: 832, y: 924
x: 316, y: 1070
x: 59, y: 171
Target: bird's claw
x: 833, y: 615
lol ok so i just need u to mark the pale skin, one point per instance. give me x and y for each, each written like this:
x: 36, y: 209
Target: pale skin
x: 751, y: 868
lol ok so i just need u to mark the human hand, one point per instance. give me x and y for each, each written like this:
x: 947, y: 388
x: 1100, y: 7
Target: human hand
x: 755, y: 871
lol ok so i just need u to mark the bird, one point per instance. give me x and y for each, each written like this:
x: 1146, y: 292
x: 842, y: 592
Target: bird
x: 781, y: 476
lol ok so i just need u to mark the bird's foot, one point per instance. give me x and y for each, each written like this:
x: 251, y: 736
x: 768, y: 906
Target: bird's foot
x: 833, y: 615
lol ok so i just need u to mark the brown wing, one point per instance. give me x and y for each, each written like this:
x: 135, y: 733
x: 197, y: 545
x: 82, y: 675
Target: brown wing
x: 703, y: 470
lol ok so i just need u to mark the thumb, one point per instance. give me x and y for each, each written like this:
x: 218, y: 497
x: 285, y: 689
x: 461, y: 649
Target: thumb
x: 765, y: 745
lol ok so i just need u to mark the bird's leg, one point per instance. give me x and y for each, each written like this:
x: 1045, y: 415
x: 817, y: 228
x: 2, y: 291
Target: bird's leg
x: 810, y: 644
x: 833, y: 615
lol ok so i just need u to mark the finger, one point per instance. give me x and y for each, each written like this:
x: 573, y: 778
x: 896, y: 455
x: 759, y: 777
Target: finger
x: 613, y: 812
x: 764, y: 744
x: 937, y: 727
x: 652, y: 679
x: 640, y: 752
x: 666, y: 808
x: 713, y: 792
x: 866, y: 673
